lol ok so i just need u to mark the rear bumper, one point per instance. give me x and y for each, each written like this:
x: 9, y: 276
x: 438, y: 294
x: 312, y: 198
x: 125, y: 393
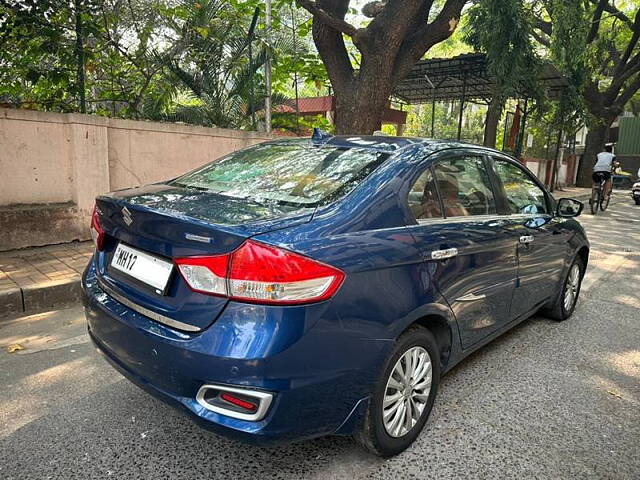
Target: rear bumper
x: 320, y: 376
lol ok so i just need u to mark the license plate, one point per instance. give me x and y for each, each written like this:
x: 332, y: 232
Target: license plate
x: 142, y: 266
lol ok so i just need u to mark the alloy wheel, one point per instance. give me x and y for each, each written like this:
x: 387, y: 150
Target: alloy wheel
x: 407, y: 392
x: 571, y: 288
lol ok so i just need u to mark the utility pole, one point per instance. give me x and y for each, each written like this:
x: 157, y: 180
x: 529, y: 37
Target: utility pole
x: 252, y: 29
x: 267, y: 69
x: 295, y: 73
x: 80, y: 56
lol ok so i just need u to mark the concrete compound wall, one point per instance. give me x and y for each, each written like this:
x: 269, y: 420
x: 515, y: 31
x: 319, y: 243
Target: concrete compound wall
x: 542, y: 168
x: 53, y: 165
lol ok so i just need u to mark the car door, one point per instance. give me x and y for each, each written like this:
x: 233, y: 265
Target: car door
x: 471, y: 257
x: 542, y: 239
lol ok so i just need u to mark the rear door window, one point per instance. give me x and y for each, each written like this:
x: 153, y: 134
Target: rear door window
x: 423, y: 197
x: 464, y: 186
x: 522, y: 192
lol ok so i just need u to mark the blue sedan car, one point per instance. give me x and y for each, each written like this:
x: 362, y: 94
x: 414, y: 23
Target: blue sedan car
x: 309, y: 287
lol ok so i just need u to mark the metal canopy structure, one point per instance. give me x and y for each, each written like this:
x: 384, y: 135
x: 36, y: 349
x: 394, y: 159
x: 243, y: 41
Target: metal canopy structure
x: 463, y: 77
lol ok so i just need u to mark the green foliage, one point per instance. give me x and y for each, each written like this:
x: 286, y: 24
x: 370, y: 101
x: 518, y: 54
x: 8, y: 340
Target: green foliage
x: 503, y: 30
x: 208, y: 63
x: 590, y: 49
x: 36, y: 53
x: 300, y: 59
x: 304, y: 125
x: 455, y: 45
x: 174, y: 60
x: 570, y: 54
x: 446, y: 121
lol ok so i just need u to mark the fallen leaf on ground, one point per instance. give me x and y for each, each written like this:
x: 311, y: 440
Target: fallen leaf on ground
x: 14, y: 348
x: 611, y: 392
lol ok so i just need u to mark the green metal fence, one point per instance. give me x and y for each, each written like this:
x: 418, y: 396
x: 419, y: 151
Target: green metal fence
x: 629, y: 136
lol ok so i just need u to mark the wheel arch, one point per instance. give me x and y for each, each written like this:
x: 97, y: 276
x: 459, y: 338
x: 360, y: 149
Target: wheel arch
x: 583, y: 254
x: 442, y: 332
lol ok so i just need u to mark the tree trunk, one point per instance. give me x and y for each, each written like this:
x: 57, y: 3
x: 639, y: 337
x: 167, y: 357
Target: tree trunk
x: 596, y: 138
x: 360, y: 106
x: 491, y: 122
x: 390, y: 45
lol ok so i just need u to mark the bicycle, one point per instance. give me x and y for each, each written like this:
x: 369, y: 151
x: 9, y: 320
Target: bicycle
x: 598, y: 199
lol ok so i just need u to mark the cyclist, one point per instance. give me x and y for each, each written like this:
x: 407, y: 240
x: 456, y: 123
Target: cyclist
x: 603, y: 168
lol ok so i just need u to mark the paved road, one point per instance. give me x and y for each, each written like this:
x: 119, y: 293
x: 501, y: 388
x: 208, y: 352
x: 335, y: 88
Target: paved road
x: 547, y: 400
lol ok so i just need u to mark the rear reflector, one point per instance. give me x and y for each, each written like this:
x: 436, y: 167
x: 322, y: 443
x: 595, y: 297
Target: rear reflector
x: 238, y: 402
x: 260, y: 273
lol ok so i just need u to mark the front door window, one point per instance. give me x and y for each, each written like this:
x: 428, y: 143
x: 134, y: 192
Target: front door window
x: 522, y: 192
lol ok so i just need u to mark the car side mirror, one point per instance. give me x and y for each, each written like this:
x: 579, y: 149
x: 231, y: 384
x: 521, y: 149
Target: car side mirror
x: 569, y: 208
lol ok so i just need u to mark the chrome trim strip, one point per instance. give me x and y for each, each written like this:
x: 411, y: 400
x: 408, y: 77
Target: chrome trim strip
x: 170, y: 322
x: 485, y: 292
x: 471, y: 297
x: 263, y: 398
x: 460, y: 219
x: 443, y: 254
x: 480, y: 218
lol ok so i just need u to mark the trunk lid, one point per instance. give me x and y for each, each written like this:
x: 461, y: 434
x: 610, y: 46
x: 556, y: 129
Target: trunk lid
x: 169, y: 222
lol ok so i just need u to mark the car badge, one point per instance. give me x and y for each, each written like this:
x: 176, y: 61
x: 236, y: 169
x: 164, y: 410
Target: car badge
x: 126, y: 216
x: 198, y: 238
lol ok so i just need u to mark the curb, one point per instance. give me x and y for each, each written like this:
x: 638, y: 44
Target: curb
x: 11, y: 302
x: 40, y: 298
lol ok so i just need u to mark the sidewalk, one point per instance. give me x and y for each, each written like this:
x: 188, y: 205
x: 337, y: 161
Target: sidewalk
x: 37, y: 279
x: 42, y: 278
x: 582, y: 194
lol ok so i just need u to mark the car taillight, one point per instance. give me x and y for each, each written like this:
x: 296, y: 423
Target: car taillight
x: 97, y: 232
x: 260, y: 273
x: 205, y: 274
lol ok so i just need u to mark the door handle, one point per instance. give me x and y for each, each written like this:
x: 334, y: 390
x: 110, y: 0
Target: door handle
x: 526, y: 239
x: 442, y: 254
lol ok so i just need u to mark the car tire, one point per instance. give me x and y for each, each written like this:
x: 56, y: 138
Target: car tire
x: 562, y: 309
x: 377, y: 432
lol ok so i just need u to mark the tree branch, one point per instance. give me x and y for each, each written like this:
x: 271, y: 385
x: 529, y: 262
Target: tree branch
x: 614, y: 11
x: 545, y: 42
x: 595, y: 24
x: 326, y: 17
x: 622, y: 64
x: 426, y: 37
x: 629, y: 71
x: 544, y: 26
x: 629, y: 92
x: 330, y: 43
x: 397, y: 20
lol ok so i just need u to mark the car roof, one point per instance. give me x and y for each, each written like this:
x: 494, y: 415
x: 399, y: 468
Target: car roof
x: 387, y: 143
x: 375, y: 142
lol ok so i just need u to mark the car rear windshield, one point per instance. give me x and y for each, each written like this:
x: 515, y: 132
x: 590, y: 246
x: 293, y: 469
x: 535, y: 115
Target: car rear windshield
x: 294, y: 174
